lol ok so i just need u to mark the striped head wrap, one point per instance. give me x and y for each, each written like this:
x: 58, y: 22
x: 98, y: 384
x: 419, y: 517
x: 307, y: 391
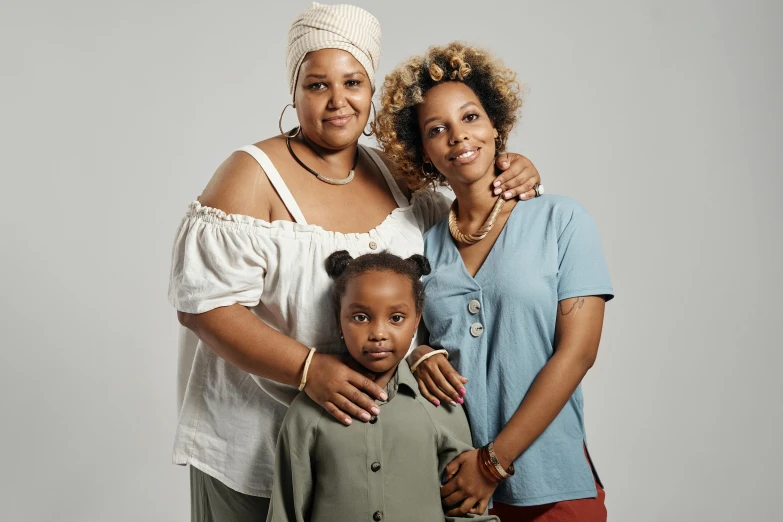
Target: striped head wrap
x: 344, y: 27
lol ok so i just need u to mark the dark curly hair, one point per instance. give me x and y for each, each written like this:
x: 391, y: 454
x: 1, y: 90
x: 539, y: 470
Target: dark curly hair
x: 342, y: 268
x: 396, y: 125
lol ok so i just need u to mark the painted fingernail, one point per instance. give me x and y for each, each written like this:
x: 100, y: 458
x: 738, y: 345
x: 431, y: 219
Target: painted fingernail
x: 364, y: 416
x: 375, y: 410
x: 347, y: 421
x: 496, y: 183
x: 507, y: 195
x: 498, y: 191
x: 523, y: 196
x: 436, y: 402
x: 384, y: 396
x: 462, y: 391
x: 453, y: 403
x: 461, y: 400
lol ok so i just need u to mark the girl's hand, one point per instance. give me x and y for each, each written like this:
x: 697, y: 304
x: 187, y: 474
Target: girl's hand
x: 438, y: 380
x: 518, y: 175
x: 467, y: 489
x: 338, y: 389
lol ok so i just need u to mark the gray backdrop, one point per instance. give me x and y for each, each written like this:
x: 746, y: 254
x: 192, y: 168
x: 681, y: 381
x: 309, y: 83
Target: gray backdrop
x: 663, y: 118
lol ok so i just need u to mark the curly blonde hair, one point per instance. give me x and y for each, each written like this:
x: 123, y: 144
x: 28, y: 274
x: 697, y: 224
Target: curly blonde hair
x: 396, y: 125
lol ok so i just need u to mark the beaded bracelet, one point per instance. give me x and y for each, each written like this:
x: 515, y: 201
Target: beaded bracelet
x: 306, y: 367
x: 427, y: 356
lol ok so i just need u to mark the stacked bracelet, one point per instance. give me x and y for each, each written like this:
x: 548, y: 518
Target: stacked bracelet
x: 505, y: 473
x: 486, y: 466
x: 491, y: 466
x: 306, y: 367
x: 427, y: 356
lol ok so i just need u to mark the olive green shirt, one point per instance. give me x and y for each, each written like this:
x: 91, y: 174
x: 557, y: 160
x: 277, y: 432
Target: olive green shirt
x: 387, y: 469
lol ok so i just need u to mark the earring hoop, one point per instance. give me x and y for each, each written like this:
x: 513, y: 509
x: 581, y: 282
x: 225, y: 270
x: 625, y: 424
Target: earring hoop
x: 280, y: 124
x: 433, y: 171
x: 374, y: 116
x: 499, y: 144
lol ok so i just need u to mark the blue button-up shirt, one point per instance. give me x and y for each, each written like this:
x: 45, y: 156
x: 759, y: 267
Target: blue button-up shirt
x: 548, y: 251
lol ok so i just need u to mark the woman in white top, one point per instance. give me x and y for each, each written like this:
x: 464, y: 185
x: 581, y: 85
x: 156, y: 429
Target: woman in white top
x: 248, y: 275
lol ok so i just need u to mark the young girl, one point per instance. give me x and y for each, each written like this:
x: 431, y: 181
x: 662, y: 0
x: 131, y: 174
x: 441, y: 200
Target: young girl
x: 517, y: 293
x: 387, y: 469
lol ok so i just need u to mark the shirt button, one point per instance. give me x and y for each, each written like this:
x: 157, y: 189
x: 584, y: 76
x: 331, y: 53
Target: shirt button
x: 377, y: 516
x: 373, y: 245
x: 373, y: 419
x: 375, y: 466
x: 474, y: 306
x: 476, y: 329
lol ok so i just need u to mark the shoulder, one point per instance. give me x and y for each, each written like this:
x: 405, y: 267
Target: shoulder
x: 556, y: 204
x: 239, y: 186
x: 389, y: 165
x: 558, y: 211
x: 446, y: 419
x: 437, y: 233
x: 437, y: 244
x: 303, y: 414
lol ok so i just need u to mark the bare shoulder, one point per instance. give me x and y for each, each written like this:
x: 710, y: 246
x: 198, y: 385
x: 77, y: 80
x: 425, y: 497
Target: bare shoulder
x: 389, y: 165
x: 239, y: 186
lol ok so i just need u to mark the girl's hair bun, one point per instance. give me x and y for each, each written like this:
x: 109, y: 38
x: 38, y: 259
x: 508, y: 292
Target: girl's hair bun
x: 337, y: 262
x: 422, y: 263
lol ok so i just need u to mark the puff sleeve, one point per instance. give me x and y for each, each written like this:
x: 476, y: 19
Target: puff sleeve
x: 217, y: 260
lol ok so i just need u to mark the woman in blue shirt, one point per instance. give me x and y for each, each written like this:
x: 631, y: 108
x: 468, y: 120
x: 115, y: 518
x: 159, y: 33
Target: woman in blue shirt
x: 516, y: 297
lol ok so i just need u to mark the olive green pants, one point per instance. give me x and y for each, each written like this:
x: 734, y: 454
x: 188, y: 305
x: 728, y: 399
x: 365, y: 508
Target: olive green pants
x: 213, y: 501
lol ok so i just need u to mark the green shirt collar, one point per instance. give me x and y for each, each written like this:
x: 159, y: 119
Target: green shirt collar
x: 402, y: 378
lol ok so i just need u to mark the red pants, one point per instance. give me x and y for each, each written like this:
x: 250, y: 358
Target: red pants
x: 581, y: 510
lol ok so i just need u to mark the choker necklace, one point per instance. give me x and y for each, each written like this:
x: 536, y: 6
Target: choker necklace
x: 325, y: 179
x: 471, y: 239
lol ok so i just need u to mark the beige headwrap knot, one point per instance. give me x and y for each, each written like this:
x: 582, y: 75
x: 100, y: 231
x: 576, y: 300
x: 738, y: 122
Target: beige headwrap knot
x: 345, y: 27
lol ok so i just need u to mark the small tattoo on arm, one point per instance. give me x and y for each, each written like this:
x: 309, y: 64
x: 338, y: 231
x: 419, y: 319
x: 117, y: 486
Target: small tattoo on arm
x: 576, y: 304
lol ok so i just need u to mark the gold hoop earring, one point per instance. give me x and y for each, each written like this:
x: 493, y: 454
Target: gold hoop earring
x: 499, y: 144
x: 433, y: 171
x: 374, y: 116
x: 280, y: 124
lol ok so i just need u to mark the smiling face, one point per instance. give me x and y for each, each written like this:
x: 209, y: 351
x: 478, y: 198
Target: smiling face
x: 378, y: 318
x: 457, y: 136
x: 333, y: 98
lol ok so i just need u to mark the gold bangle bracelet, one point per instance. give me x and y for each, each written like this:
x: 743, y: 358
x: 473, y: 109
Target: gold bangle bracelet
x: 306, y: 367
x: 427, y: 356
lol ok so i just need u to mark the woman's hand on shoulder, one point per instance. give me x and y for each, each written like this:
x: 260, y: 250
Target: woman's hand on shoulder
x: 437, y: 378
x: 517, y: 178
x: 467, y: 489
x: 239, y: 186
x: 340, y: 390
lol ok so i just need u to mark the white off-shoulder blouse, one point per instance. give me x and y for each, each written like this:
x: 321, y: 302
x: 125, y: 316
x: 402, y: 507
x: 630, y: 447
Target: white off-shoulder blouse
x: 228, y: 419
